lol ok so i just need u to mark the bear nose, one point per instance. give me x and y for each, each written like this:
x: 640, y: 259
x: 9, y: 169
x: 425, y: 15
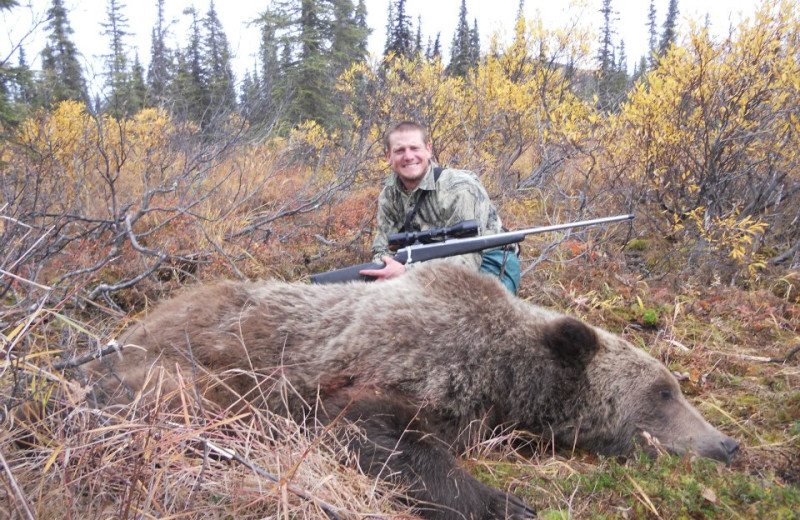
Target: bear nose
x: 731, y: 447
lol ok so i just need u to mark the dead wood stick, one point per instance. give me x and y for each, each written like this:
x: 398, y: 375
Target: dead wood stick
x: 232, y: 455
x: 764, y: 359
x: 111, y: 346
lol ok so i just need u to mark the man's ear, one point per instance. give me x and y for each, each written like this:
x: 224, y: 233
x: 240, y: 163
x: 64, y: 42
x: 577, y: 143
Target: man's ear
x: 430, y: 148
x: 387, y: 153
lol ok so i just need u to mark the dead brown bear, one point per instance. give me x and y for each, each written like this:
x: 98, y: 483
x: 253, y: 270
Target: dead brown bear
x: 441, y: 350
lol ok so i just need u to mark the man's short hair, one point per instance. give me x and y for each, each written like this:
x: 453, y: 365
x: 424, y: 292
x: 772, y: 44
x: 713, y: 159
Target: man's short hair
x: 405, y: 126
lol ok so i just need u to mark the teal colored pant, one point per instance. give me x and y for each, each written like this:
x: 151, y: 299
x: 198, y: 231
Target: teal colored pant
x: 499, y: 261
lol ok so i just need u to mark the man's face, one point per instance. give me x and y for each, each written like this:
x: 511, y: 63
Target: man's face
x: 409, y: 156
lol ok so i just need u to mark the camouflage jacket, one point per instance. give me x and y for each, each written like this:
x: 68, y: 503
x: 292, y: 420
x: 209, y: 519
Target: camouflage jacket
x: 457, y: 196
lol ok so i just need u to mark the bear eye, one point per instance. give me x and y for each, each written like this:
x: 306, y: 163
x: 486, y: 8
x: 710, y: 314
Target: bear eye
x: 665, y: 394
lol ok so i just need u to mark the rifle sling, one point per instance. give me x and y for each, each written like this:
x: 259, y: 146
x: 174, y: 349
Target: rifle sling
x: 410, y: 216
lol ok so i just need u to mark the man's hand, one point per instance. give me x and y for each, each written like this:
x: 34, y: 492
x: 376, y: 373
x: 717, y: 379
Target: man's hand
x: 393, y: 268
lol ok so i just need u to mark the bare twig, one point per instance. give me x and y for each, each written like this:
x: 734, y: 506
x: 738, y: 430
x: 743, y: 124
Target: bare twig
x: 232, y: 455
x: 763, y: 359
x: 17, y: 490
x: 111, y: 346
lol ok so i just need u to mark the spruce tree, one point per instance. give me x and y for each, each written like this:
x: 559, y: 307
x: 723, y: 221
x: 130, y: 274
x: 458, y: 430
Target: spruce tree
x: 317, y: 40
x: 217, y: 64
x: 460, y: 56
x: 606, y: 49
x: 191, y: 98
x: 361, y: 26
x: 249, y: 97
x: 137, y: 87
x: 437, y: 46
x: 418, y: 38
x: 6, y: 78
x: 668, y: 35
x: 474, y: 45
x: 349, y: 35
x: 652, y: 33
x: 62, y: 77
x: 399, y: 41
x: 118, y: 79
x: 259, y: 97
x: 612, y: 74
x: 18, y: 95
x: 388, y: 42
x: 160, y: 72
x: 312, y: 93
x: 25, y: 94
x: 622, y: 58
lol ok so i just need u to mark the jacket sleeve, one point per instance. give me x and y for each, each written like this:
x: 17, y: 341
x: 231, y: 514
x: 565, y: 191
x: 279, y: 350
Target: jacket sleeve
x: 386, y: 224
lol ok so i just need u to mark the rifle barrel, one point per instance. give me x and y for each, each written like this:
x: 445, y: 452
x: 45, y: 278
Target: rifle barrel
x: 424, y: 252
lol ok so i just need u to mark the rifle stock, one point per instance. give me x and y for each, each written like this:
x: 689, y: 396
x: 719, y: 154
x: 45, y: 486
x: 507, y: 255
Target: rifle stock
x: 425, y: 252
x: 347, y: 274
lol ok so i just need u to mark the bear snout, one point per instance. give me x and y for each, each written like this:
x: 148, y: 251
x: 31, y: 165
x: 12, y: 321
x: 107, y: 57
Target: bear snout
x: 719, y: 447
x: 731, y: 448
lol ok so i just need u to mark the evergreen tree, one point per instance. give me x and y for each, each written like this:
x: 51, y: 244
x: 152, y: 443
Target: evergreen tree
x: 668, y: 35
x: 137, y: 87
x: 249, y: 95
x: 191, y: 98
x: 622, y: 59
x: 399, y: 40
x: 387, y: 46
x: 312, y: 93
x: 606, y: 50
x: 258, y: 96
x: 474, y: 44
x: 8, y: 113
x: 652, y: 32
x: 519, y: 46
x: 436, y: 52
x: 460, y: 56
x: 612, y: 75
x: 418, y: 39
x: 219, y: 78
x: 161, y: 70
x: 640, y: 69
x: 118, y: 78
x: 318, y: 40
x: 349, y: 35
x: 6, y: 78
x: 360, y: 21
x: 62, y: 77
x: 25, y: 94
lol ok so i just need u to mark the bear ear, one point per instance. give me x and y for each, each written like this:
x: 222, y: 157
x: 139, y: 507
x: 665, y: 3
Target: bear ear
x: 572, y: 341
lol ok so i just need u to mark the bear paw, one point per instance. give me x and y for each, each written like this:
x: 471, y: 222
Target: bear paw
x: 509, y: 506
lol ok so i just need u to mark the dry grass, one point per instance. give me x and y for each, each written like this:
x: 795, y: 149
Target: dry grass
x: 147, y: 462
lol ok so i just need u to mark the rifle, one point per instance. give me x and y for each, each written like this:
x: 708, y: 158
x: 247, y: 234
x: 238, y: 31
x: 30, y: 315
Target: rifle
x: 420, y: 252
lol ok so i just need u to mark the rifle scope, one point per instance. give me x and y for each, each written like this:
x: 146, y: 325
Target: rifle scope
x: 465, y: 229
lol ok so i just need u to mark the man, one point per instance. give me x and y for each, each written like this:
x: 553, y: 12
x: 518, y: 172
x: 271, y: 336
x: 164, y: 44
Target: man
x: 415, y: 199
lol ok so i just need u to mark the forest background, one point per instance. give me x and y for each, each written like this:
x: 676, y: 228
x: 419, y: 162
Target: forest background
x: 180, y: 173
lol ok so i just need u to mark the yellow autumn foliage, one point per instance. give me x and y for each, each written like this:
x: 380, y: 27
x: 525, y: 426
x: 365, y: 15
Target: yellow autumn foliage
x: 709, y: 140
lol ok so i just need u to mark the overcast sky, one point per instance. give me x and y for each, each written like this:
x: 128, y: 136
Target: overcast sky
x: 437, y: 16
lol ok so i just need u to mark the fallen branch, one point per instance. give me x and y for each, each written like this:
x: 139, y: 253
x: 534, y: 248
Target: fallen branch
x: 232, y: 455
x: 764, y: 359
x: 16, y: 488
x: 111, y: 346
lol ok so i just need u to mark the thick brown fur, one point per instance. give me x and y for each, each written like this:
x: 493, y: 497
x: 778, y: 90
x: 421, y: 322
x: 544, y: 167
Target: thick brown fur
x: 441, y: 351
